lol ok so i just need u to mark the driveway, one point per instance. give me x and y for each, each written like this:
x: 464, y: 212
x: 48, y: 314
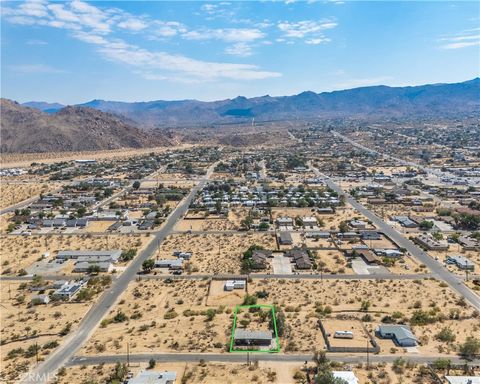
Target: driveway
x: 281, y: 265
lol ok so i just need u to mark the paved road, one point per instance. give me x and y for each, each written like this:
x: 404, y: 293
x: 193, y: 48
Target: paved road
x: 377, y: 276
x: 242, y: 358
x: 108, y: 299
x: 455, y: 282
x: 436, y: 172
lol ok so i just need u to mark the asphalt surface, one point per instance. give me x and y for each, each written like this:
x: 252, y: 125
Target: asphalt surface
x: 438, y: 271
x: 317, y: 276
x: 436, y: 172
x: 107, y: 300
x: 242, y: 358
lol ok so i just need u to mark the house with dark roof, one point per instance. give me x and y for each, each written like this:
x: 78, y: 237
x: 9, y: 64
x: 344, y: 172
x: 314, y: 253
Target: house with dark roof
x: 285, y: 238
x: 244, y: 337
x: 300, y: 257
x: 259, y: 258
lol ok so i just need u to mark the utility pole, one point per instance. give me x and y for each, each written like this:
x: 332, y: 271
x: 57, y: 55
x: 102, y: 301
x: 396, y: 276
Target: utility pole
x: 36, y: 352
x: 128, y: 354
x: 466, y: 270
x: 368, y: 356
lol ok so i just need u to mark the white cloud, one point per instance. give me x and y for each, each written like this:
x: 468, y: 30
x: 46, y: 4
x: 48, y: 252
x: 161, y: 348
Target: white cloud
x: 166, y: 29
x: 239, y: 49
x: 35, y: 68
x: 312, y: 31
x: 229, y: 34
x: 317, y: 41
x: 461, y: 41
x: 304, y: 28
x: 34, y: 8
x: 96, y: 26
x: 133, y: 24
x: 461, y: 45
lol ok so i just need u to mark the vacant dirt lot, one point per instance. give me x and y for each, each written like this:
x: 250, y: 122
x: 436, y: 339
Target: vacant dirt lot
x: 12, y: 193
x: 26, y: 327
x: 208, y: 373
x: 303, y: 300
x: 214, y: 253
x: 163, y: 316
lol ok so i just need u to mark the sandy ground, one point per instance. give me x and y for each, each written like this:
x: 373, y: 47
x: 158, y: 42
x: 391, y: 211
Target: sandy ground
x: 231, y: 222
x: 214, y: 253
x: 331, y: 261
x: 25, y: 159
x: 207, y: 373
x: 218, y: 296
x: 385, y: 298
x: 360, y: 337
x: 265, y: 372
x: 150, y: 329
x: 42, y: 322
x: 20, y: 252
x: 12, y: 193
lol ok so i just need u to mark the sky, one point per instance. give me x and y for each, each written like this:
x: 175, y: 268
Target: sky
x: 75, y: 51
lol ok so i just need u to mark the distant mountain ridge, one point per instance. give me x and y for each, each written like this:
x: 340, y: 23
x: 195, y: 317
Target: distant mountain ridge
x: 375, y: 101
x: 24, y: 130
x: 43, y: 106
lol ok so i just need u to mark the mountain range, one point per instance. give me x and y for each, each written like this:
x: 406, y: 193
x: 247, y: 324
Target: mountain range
x: 24, y: 129
x: 100, y: 125
x: 441, y: 100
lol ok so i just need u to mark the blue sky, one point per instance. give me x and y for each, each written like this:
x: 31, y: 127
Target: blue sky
x: 75, y: 51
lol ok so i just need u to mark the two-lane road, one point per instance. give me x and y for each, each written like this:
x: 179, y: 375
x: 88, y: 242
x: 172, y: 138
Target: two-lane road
x: 43, y: 372
x: 437, y: 269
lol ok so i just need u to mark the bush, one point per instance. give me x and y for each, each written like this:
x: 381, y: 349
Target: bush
x: 120, y: 317
x: 171, y: 314
x: 470, y: 348
x: 446, y: 335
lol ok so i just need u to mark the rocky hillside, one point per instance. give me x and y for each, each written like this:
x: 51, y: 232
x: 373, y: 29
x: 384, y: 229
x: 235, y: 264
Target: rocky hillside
x: 25, y: 129
x: 434, y: 100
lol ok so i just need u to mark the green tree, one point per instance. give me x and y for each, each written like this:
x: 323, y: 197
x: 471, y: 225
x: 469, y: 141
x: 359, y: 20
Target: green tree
x: 151, y: 363
x: 136, y: 184
x: 148, y: 265
x: 470, y: 348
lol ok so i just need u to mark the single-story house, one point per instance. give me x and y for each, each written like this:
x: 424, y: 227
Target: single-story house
x: 285, y: 238
x: 170, y: 264
x: 154, y: 377
x: 370, y: 235
x: 230, y: 285
x: 245, y: 337
x: 259, y: 258
x: 300, y: 258
x: 461, y: 262
x: 85, y: 266
x: 113, y: 254
x: 68, y: 290
x: 400, y: 334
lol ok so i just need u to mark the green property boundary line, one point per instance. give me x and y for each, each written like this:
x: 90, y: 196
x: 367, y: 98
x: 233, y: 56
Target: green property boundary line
x: 234, y: 327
